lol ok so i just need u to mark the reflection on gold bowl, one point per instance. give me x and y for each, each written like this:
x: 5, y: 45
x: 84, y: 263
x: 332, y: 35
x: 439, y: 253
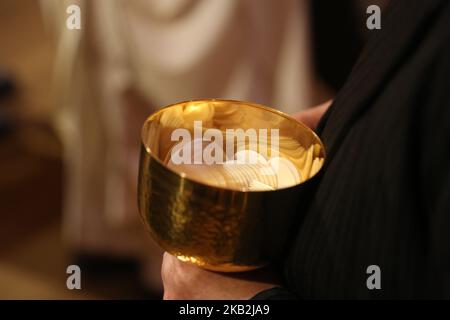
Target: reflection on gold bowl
x: 223, y: 183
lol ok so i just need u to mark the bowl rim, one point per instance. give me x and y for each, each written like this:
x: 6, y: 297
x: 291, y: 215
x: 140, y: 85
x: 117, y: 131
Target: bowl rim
x: 194, y: 181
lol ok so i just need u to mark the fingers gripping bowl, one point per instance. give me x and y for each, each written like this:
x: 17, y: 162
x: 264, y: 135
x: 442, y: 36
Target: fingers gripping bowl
x: 222, y: 183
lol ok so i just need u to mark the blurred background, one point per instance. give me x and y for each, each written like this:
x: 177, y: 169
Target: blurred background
x: 72, y: 103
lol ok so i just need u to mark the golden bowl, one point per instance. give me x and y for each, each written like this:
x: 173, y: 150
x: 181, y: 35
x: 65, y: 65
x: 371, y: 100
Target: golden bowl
x: 223, y: 184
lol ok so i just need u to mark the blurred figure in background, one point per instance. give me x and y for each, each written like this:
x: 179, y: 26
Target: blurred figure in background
x: 131, y: 57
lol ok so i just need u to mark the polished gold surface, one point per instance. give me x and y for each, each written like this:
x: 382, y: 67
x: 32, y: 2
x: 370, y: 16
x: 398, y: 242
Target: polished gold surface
x: 222, y: 182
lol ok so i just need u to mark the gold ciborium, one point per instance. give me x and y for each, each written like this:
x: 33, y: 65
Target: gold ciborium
x: 223, y: 184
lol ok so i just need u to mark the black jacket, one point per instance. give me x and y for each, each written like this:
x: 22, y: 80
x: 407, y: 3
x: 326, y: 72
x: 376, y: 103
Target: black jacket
x: 384, y: 197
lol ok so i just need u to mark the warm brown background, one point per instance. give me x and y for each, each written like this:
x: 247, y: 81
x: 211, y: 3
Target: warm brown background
x: 33, y: 257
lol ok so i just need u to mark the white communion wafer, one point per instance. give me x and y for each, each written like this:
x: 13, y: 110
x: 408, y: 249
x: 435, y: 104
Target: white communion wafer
x: 256, y: 185
x: 240, y: 176
x: 317, y: 164
x: 210, y: 174
x: 249, y: 170
x: 308, y: 163
x: 235, y: 178
x: 249, y: 157
x: 317, y: 149
x: 287, y: 173
x: 301, y: 162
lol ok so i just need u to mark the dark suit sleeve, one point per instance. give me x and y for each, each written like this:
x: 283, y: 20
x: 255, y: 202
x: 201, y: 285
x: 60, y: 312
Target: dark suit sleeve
x: 434, y: 155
